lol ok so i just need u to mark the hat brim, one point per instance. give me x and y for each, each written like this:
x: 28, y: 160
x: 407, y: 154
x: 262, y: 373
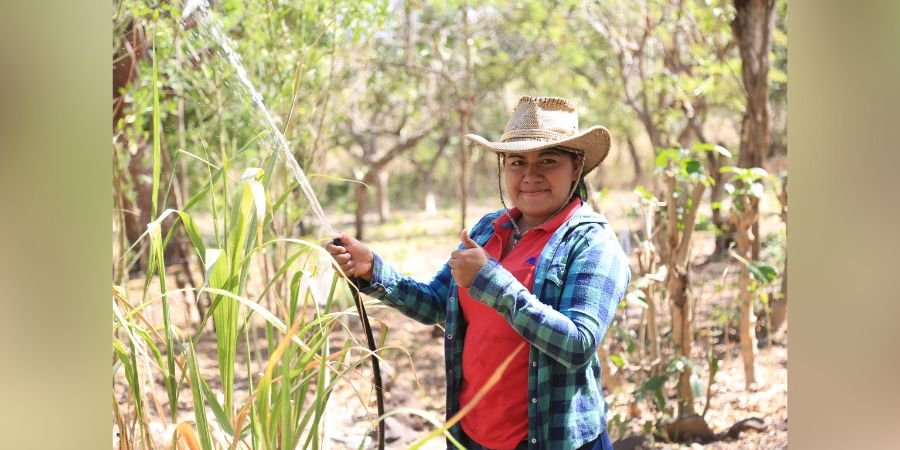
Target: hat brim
x: 594, y: 142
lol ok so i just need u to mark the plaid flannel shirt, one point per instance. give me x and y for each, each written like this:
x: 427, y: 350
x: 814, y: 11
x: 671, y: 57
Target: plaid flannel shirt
x: 580, y: 278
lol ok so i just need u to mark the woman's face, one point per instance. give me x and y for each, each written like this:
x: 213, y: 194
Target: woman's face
x: 539, y: 182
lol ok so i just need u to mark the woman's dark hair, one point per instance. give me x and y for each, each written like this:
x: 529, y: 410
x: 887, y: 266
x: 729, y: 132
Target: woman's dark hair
x: 578, y: 159
x: 581, y: 191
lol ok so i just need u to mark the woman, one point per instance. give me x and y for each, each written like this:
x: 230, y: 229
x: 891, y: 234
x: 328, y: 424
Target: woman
x: 545, y: 276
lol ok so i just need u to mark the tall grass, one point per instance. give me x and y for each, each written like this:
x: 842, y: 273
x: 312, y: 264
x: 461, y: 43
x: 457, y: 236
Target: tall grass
x: 260, y: 281
x: 256, y: 282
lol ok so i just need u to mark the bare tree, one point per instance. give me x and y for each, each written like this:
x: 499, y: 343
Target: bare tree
x: 373, y: 158
x: 743, y: 220
x: 677, y: 241
x: 426, y: 170
x: 752, y: 28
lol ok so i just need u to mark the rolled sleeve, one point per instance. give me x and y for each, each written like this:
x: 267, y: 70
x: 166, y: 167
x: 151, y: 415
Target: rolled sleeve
x: 424, y: 302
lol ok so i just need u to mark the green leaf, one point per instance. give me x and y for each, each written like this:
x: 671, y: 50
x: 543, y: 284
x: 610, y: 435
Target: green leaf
x: 193, y: 233
x: 665, y: 155
x: 157, y: 146
x: 216, y: 407
x: 706, y: 147
x: 199, y: 409
x: 129, y: 362
x: 723, y: 151
x: 693, y: 166
x: 654, y: 383
x: 617, y: 360
x: 758, y: 172
x: 157, y: 263
x: 762, y: 272
x: 642, y: 191
x: 210, y: 257
x: 256, y: 191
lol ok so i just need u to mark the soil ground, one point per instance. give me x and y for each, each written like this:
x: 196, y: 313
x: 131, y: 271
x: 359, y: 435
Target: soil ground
x: 413, y: 364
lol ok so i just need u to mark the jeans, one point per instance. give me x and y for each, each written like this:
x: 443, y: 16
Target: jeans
x: 601, y: 443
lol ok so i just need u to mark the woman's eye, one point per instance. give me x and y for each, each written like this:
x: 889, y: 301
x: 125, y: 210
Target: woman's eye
x: 549, y: 161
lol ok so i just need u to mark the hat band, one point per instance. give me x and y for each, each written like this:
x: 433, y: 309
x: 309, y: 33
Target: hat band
x: 534, y: 134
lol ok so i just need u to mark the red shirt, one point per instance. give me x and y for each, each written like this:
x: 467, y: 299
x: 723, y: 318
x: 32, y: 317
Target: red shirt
x: 500, y: 419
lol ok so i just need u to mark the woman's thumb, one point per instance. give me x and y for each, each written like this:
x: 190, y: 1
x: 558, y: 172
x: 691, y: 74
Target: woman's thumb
x: 466, y: 240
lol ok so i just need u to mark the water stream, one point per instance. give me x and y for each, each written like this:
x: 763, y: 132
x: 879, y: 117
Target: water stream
x: 198, y: 9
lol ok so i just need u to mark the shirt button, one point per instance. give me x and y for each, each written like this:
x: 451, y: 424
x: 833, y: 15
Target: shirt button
x: 534, y: 400
x: 452, y: 299
x: 533, y: 441
x: 534, y: 364
x: 449, y: 336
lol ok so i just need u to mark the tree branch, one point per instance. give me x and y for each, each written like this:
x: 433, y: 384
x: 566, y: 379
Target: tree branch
x: 689, y: 219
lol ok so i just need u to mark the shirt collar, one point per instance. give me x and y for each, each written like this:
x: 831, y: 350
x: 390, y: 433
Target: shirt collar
x: 502, y: 221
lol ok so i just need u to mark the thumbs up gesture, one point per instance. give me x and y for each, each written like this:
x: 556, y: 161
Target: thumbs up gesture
x: 465, y: 263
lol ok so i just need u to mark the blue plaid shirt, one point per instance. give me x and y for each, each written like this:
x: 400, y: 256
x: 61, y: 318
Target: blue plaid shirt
x: 580, y: 278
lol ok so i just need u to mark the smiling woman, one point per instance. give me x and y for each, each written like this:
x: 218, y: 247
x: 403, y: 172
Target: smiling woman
x: 540, y: 183
x: 546, y: 275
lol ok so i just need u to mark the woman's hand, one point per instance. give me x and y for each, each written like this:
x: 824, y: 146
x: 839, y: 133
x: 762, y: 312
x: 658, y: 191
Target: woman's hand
x: 465, y: 263
x: 354, y: 258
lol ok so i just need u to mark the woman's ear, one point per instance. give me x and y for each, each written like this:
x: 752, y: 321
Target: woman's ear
x: 579, y: 166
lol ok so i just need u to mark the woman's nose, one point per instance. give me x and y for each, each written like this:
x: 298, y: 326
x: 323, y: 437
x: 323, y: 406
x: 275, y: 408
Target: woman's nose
x: 532, y: 171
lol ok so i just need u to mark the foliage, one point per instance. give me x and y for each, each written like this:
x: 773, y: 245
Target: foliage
x: 195, y: 147
x: 254, y: 274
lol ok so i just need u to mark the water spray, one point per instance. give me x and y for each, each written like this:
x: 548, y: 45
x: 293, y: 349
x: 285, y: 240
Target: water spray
x: 197, y: 11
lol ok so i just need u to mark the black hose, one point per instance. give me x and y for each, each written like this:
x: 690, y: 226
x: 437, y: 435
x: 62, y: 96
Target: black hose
x: 370, y: 338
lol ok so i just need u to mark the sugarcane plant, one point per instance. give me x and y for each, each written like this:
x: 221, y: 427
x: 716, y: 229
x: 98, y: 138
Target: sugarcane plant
x: 257, y: 280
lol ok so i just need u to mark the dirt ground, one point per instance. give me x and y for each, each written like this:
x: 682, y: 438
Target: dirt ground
x: 413, y: 364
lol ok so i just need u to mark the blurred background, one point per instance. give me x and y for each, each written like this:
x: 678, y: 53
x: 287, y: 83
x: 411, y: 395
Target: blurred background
x: 372, y: 99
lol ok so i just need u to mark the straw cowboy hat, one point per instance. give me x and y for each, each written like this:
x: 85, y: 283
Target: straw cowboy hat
x: 543, y: 122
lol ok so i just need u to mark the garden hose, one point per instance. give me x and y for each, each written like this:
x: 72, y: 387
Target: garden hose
x: 370, y: 338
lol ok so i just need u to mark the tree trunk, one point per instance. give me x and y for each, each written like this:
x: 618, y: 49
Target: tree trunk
x: 677, y: 245
x: 725, y: 234
x: 608, y: 379
x: 361, y: 196
x: 744, y: 238
x: 465, y: 112
x: 429, y: 201
x: 647, y: 262
x: 779, y: 306
x: 383, y: 193
x: 463, y: 178
x: 652, y: 329
x: 636, y: 162
x: 752, y: 29
x: 682, y: 337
